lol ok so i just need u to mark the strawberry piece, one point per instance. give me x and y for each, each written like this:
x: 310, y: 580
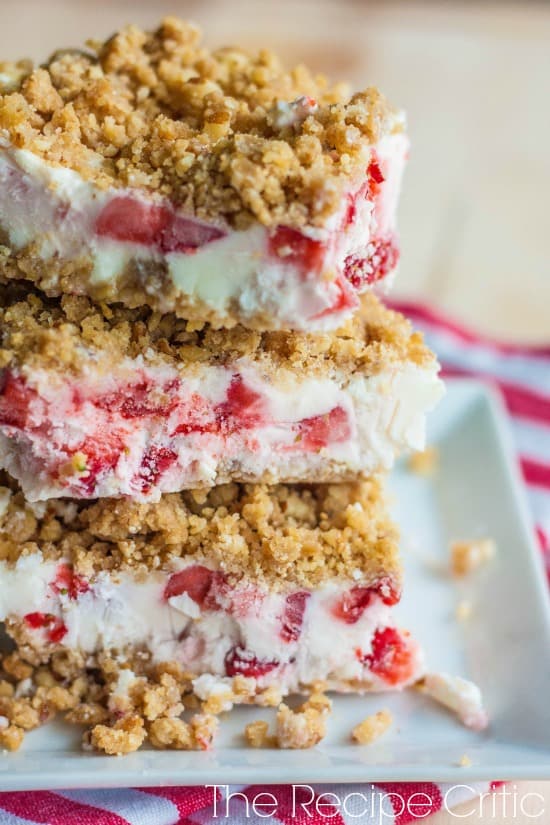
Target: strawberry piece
x: 56, y: 627
x: 199, y: 417
x: 351, y: 606
x: 69, y: 583
x: 375, y: 174
x: 240, y: 662
x: 15, y: 400
x: 154, y: 463
x: 392, y: 656
x: 202, y: 585
x: 128, y: 219
x: 102, y: 454
x: 37, y: 619
x: 187, y: 235
x: 388, y: 592
x: 319, y: 430
x: 140, y: 399
x: 57, y: 631
x: 293, y: 616
x: 243, y: 407
x: 292, y: 247
x: 382, y: 260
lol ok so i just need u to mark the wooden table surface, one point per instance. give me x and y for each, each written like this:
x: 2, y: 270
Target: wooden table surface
x: 475, y: 81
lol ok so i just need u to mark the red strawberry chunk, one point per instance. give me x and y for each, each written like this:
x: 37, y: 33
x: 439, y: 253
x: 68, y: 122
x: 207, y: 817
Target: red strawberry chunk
x: 351, y: 606
x: 368, y: 270
x: 296, y: 249
x: 56, y: 628
x: 140, y: 399
x: 243, y: 407
x: 319, y: 430
x: 240, y: 662
x: 128, y: 219
x: 186, y: 235
x: 38, y: 619
x: 198, y: 417
x: 102, y: 454
x: 392, y: 656
x: 202, y: 585
x: 57, y: 631
x: 293, y: 616
x: 154, y: 463
x: 375, y: 173
x: 69, y: 583
x: 388, y: 591
x: 15, y: 399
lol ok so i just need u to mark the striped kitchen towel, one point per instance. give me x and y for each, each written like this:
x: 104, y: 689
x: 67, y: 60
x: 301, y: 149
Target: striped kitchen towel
x: 523, y: 376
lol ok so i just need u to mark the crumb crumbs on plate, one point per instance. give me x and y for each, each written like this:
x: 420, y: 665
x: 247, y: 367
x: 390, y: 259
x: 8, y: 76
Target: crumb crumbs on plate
x: 458, y: 695
x: 463, y: 610
x: 425, y: 462
x: 464, y: 761
x: 469, y: 556
x: 257, y: 735
x: 372, y: 727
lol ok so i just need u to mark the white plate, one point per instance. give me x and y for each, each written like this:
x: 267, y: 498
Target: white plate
x: 504, y: 647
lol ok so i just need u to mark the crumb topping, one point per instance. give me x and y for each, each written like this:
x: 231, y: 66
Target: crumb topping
x: 66, y: 334
x: 469, y: 556
x: 224, y: 134
x: 281, y: 535
x: 372, y: 727
x: 159, y: 704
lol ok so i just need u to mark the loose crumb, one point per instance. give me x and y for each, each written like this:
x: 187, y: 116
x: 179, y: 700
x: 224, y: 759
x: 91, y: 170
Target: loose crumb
x: 257, y: 735
x: 125, y: 736
x: 300, y: 729
x: 468, y: 556
x: 372, y: 728
x: 464, y: 761
x: 425, y: 463
x: 463, y: 610
x: 11, y: 737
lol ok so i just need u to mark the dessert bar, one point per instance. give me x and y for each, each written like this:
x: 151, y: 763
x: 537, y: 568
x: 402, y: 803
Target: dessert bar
x: 287, y: 587
x: 105, y: 401
x: 213, y: 184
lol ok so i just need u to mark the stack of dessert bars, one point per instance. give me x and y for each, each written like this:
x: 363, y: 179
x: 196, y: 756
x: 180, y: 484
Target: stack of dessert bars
x: 199, y: 391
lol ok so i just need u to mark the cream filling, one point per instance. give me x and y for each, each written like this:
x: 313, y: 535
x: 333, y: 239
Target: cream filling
x: 56, y: 208
x: 119, y: 612
x: 385, y: 415
x: 458, y: 695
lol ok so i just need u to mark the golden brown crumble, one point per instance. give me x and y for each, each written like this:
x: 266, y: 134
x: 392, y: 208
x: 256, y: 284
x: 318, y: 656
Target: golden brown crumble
x: 257, y: 735
x: 372, y: 727
x: 205, y: 128
x: 282, y: 534
x: 302, y: 728
x: 424, y: 463
x: 114, y: 722
x: 66, y: 334
x: 468, y: 556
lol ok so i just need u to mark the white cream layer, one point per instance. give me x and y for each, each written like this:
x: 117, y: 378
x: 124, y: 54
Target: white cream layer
x: 385, y: 416
x: 119, y: 612
x: 56, y: 209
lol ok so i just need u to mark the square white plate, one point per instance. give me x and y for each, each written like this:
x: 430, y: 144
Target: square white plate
x: 504, y: 647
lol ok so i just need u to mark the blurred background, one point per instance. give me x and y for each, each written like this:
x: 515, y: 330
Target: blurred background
x: 475, y: 81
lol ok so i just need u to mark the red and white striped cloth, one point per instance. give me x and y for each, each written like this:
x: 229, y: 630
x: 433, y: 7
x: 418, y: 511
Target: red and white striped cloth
x: 523, y: 376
